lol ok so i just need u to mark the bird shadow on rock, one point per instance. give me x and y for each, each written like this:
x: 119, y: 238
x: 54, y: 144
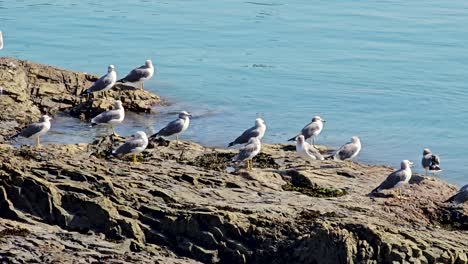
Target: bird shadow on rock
x: 298, y: 182
x: 417, y: 179
x: 158, y: 142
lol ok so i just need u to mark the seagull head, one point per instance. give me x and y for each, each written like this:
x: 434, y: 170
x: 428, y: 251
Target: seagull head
x: 317, y: 119
x: 406, y: 164
x: 148, y: 63
x: 45, y: 118
x: 426, y: 151
x: 184, y: 114
x: 117, y: 104
x: 110, y: 68
x: 355, y: 140
x: 259, y: 122
x: 139, y: 134
x: 300, y: 139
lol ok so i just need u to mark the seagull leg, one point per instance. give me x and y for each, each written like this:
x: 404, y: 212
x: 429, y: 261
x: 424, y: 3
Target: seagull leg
x: 113, y: 131
x: 142, y: 85
x: 313, y: 141
x: 177, y: 140
x: 38, y: 142
x: 134, y: 158
x: 426, y: 171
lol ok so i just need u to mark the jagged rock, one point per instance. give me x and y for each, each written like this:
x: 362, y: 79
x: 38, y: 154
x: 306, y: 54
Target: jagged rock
x: 174, y: 207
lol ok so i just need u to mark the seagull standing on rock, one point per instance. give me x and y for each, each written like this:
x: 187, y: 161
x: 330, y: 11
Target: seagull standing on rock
x: 135, y: 145
x: 111, y: 117
x: 349, y: 150
x: 36, y: 130
x: 248, y: 152
x: 397, y: 178
x: 306, y: 151
x: 140, y: 74
x: 175, y: 127
x: 430, y: 162
x: 104, y: 83
x: 312, y: 129
x: 460, y: 197
x: 257, y: 131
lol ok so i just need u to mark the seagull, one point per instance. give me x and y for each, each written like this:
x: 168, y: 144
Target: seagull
x: 136, y: 144
x: 36, y: 130
x: 1, y: 40
x: 140, y: 74
x: 311, y: 130
x: 248, y: 152
x: 306, y: 151
x: 111, y: 117
x: 460, y: 197
x: 257, y: 131
x: 397, y: 178
x: 104, y: 83
x: 430, y: 162
x: 175, y: 127
x: 349, y: 150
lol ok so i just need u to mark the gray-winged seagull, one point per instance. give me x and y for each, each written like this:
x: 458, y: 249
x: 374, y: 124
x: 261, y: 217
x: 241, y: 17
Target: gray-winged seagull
x: 111, y: 117
x: 349, y: 150
x: 248, y: 152
x: 312, y: 129
x: 257, y: 131
x: 460, y: 197
x: 104, y: 83
x: 397, y: 178
x: 175, y: 127
x: 36, y: 130
x: 430, y: 162
x: 140, y: 74
x: 136, y: 144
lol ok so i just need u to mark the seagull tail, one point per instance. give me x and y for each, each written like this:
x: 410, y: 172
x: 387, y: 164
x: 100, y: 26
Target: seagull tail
x: 331, y: 157
x: 376, y: 190
x: 231, y: 144
x: 14, y: 136
x: 85, y: 92
x: 450, y: 200
x: 122, y: 80
x: 154, y: 135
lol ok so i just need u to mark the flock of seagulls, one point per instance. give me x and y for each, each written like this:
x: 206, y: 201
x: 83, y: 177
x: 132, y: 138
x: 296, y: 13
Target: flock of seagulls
x: 251, y: 138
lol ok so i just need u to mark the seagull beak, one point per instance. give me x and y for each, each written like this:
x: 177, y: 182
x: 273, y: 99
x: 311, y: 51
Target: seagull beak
x: 411, y: 164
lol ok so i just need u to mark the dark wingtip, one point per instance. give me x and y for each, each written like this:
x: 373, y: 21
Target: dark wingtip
x: 153, y: 136
x: 292, y: 139
x: 331, y: 157
x: 231, y: 144
x: 450, y: 200
x: 121, y: 81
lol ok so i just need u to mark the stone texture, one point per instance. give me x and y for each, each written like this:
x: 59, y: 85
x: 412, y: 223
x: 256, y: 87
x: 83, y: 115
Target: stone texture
x: 174, y: 206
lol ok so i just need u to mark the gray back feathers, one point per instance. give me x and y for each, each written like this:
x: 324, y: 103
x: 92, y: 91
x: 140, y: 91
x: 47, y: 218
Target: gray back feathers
x: 137, y: 143
x: 248, y: 151
x: 248, y: 134
x: 32, y: 129
x: 172, y: 128
x: 137, y: 74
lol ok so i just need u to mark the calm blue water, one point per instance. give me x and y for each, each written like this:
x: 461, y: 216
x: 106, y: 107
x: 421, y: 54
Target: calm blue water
x: 393, y: 72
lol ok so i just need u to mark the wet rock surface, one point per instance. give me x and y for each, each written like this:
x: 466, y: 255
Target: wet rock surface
x: 29, y: 90
x: 180, y: 205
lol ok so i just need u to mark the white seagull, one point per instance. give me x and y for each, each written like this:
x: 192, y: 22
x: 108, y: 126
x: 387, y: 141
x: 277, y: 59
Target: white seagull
x: 307, y: 151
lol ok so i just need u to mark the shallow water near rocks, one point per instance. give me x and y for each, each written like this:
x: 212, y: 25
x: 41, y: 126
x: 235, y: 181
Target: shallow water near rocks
x: 392, y: 72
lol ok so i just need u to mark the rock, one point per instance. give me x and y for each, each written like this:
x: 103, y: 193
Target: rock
x: 177, y: 208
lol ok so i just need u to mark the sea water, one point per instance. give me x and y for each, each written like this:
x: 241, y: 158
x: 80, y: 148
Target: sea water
x: 394, y: 73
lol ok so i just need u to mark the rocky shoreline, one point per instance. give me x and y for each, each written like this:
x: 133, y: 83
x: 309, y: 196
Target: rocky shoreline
x: 74, y: 204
